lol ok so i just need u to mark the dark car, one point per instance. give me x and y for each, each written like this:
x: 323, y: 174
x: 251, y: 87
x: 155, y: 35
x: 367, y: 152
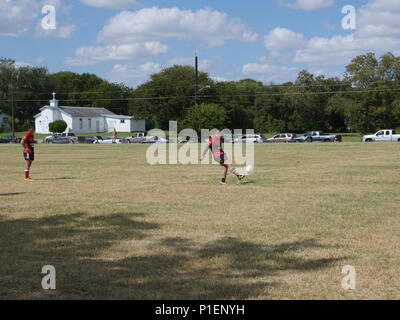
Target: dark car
x: 59, y: 139
x: 9, y: 139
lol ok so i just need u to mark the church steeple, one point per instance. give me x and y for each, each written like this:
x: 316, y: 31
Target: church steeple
x: 54, y: 102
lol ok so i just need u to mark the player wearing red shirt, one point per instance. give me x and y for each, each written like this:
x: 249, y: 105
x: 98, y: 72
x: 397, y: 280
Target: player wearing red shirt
x: 27, y: 143
x: 215, y: 145
x: 114, y: 136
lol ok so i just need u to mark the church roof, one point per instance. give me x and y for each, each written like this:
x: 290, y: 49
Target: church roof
x: 86, y: 112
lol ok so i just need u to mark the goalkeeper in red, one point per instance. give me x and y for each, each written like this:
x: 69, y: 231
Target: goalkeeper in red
x: 215, y: 146
x: 27, y: 143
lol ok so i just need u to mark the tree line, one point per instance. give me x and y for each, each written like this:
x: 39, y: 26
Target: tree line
x: 365, y: 99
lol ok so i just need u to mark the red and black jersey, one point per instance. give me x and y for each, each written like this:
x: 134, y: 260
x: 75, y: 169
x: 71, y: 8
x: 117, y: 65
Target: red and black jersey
x: 215, y: 144
x: 28, y: 143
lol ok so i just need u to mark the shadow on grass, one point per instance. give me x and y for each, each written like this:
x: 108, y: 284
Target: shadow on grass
x: 89, y: 266
x: 11, y: 194
x: 246, y: 182
x: 59, y: 178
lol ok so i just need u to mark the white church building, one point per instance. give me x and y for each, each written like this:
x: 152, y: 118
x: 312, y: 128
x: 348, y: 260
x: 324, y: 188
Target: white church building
x: 85, y: 120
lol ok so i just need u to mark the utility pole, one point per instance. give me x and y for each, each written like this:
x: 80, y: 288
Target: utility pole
x: 11, y: 91
x: 12, y: 112
x: 196, y: 81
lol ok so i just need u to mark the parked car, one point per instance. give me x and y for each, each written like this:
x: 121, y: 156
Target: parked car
x: 89, y: 139
x: 317, y: 136
x: 108, y: 140
x: 229, y: 138
x: 156, y: 139
x: 9, y: 139
x: 387, y: 135
x: 137, y: 138
x: 282, y: 137
x: 251, y: 138
x: 61, y: 138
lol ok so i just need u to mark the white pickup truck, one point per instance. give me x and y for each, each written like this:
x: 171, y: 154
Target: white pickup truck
x: 382, y: 136
x: 137, y: 138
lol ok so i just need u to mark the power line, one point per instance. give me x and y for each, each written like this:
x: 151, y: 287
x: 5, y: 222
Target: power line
x: 215, y: 96
x: 270, y: 86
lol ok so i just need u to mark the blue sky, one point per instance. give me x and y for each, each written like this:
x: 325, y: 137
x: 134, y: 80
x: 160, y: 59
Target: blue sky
x: 127, y: 40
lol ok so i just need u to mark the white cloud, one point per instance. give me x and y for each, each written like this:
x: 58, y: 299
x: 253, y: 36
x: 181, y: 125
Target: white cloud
x: 334, y: 51
x: 379, y: 18
x: 268, y: 73
x: 40, y: 59
x: 204, y: 64
x: 16, y: 17
x: 378, y: 30
x: 306, y: 4
x: 254, y: 68
x: 280, y: 39
x: 212, y: 27
x: 95, y: 54
x: 66, y: 31
x: 132, y: 35
x: 133, y: 74
x: 19, y: 16
x: 61, y: 31
x: 21, y: 64
x: 111, y: 4
x: 220, y: 79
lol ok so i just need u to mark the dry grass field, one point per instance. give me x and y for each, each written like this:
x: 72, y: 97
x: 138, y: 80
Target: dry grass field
x: 117, y: 228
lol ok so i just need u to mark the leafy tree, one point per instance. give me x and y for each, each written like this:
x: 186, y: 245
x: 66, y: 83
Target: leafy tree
x: 206, y: 116
x: 238, y: 98
x: 273, y: 109
x: 363, y: 70
x: 58, y: 126
x: 376, y: 84
x: 25, y: 85
x: 168, y: 95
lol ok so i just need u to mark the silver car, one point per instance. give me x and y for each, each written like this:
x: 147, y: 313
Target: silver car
x: 251, y: 138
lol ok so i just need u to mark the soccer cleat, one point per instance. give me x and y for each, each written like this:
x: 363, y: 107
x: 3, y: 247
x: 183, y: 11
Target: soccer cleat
x: 241, y: 177
x: 28, y: 179
x: 223, y: 183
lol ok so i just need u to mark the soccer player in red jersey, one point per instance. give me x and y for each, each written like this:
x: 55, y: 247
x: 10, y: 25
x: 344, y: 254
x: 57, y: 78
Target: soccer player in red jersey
x: 215, y: 145
x: 114, y: 136
x: 29, y: 152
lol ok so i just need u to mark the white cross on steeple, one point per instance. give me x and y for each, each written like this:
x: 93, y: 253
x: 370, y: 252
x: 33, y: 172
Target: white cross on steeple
x: 54, y: 102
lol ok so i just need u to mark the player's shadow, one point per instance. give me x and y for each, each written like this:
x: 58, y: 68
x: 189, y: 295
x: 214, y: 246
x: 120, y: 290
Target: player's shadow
x: 56, y: 178
x: 246, y: 182
x: 122, y: 256
x: 11, y: 194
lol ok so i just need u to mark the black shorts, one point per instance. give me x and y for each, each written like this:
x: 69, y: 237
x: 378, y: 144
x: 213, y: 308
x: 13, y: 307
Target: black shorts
x: 29, y: 156
x: 221, y: 159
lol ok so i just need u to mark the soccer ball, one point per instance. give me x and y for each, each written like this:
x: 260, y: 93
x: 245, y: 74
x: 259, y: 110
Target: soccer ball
x: 249, y: 169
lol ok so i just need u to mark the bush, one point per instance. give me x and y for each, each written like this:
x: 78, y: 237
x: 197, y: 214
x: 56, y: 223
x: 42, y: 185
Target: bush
x: 58, y: 126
